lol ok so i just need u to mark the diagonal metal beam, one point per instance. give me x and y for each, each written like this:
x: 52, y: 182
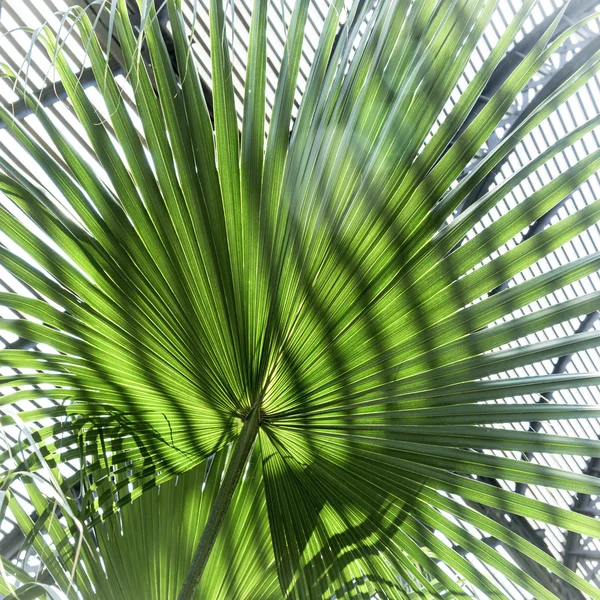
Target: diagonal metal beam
x: 55, y: 92
x: 522, y: 527
x: 587, y: 323
x: 560, y: 76
x: 573, y: 13
x: 581, y: 505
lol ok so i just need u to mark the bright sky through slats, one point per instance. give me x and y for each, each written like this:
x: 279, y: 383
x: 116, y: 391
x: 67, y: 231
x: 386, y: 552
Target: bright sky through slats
x: 15, y: 47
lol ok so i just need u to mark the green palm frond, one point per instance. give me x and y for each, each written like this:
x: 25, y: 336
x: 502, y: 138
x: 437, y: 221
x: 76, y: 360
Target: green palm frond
x: 276, y: 355
x: 162, y: 529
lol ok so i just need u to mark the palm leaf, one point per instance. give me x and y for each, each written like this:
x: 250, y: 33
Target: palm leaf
x: 162, y: 528
x: 272, y: 352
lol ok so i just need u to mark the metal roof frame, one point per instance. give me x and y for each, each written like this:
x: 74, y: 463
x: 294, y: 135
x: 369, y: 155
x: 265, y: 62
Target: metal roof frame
x: 575, y: 550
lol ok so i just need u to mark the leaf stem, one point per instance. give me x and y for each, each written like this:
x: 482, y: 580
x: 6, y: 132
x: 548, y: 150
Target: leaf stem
x: 221, y: 504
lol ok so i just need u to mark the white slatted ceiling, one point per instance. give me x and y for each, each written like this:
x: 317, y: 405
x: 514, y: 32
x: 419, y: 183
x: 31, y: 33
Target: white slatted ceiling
x: 32, y: 13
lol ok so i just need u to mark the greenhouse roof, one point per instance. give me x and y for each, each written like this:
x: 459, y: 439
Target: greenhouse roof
x: 18, y: 18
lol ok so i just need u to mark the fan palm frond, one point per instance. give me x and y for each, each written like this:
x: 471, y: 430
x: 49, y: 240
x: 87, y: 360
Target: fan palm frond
x: 276, y: 356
